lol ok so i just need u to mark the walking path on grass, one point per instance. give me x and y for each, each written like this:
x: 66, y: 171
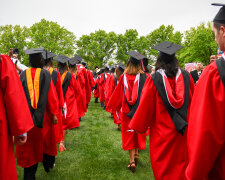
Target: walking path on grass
x: 94, y: 151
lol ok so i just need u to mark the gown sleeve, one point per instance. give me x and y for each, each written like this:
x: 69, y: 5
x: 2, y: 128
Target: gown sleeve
x: 206, y: 135
x: 115, y: 101
x: 18, y: 114
x: 59, y: 91
x: 146, y: 109
x: 52, y: 101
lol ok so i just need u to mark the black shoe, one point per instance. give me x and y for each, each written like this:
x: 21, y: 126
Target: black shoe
x: 96, y: 100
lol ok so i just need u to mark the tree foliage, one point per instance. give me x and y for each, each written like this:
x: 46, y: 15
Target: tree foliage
x: 13, y: 37
x: 53, y: 37
x: 97, y: 48
x: 199, y: 45
x: 100, y: 48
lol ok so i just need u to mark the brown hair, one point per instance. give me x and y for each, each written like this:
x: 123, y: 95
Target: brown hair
x: 218, y: 25
x: 118, y: 72
x: 133, y: 69
x: 73, y: 69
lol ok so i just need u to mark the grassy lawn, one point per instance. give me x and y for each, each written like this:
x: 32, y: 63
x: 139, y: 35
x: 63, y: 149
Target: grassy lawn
x: 94, y: 151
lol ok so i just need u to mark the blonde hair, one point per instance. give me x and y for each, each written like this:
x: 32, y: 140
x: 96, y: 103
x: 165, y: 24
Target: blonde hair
x: 133, y: 69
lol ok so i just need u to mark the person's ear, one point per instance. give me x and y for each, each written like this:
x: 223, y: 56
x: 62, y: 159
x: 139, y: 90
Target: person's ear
x: 222, y: 30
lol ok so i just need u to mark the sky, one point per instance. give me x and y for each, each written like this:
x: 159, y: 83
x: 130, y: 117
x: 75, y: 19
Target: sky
x: 86, y: 16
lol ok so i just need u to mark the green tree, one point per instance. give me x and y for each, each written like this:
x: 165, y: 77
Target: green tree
x: 126, y: 42
x: 97, y: 48
x: 53, y: 37
x: 13, y: 37
x: 163, y: 33
x: 199, y: 44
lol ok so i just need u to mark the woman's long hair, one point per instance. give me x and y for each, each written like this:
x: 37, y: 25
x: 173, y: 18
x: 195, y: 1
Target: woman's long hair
x: 118, y: 72
x: 62, y: 67
x: 133, y: 69
x: 167, y: 62
x: 73, y: 69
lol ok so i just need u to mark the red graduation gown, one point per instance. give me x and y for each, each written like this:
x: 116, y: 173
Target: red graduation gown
x: 108, y: 91
x: 13, y: 121
x: 32, y: 151
x: 81, y: 99
x: 72, y: 116
x: 102, y: 83
x: 82, y: 70
x: 206, y: 137
x: 168, y: 148
x: 111, y: 88
x: 91, y: 83
x: 54, y: 134
x: 58, y: 126
x: 96, y: 91
x: 130, y: 139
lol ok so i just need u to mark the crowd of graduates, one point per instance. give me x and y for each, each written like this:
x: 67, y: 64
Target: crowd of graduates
x: 183, y: 118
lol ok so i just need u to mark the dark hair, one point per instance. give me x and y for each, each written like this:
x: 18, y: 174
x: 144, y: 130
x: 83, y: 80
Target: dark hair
x: 48, y: 62
x: 62, y: 67
x: 218, y: 25
x: 112, y: 70
x: 106, y: 70
x: 168, y: 63
x: 36, y: 60
x: 119, y: 71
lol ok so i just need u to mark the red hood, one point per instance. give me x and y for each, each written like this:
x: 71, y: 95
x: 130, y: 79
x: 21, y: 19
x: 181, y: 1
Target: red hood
x: 175, y: 89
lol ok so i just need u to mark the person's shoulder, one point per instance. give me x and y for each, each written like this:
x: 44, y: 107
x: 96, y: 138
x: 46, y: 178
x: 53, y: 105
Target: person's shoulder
x: 211, y: 68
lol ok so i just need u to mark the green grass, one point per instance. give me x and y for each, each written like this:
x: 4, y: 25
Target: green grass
x: 94, y: 151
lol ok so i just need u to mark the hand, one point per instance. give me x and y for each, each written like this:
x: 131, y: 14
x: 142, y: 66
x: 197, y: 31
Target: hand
x: 54, y: 119
x: 20, y: 140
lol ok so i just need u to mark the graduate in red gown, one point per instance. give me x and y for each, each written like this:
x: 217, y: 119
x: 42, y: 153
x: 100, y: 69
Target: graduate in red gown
x: 82, y: 70
x: 15, y: 118
x: 80, y: 76
x: 96, y: 87
x: 164, y: 106
x: 55, y: 132
x: 103, y: 81
x: 41, y: 95
x: 206, y: 137
x: 70, y: 119
x: 112, y: 86
x: 73, y: 69
x: 91, y: 84
x: 107, y: 89
x: 127, y: 95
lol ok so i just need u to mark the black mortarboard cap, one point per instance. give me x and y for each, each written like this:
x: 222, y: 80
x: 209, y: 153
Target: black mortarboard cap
x: 48, y: 55
x: 16, y: 51
x: 135, y: 57
x: 168, y: 47
x: 62, y: 59
x: 78, y: 58
x: 34, y: 51
x: 220, y: 16
x: 120, y: 65
x: 73, y: 61
x: 84, y: 63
